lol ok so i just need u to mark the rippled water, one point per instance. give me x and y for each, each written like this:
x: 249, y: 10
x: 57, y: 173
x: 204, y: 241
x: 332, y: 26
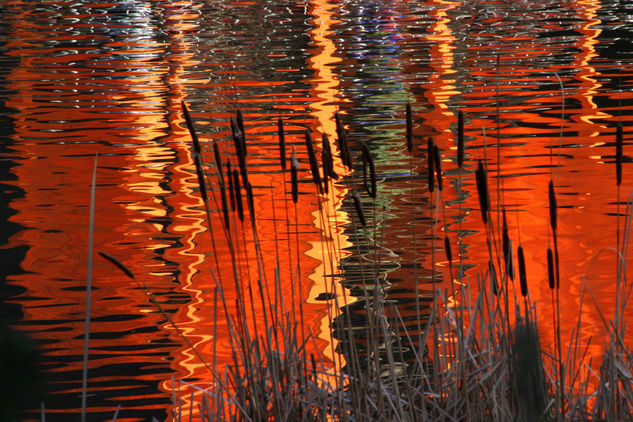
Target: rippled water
x: 96, y: 77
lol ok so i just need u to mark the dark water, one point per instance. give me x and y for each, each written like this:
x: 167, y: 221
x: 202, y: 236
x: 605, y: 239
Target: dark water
x: 108, y: 78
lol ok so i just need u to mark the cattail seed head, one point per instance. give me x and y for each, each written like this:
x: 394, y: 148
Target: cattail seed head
x: 201, y: 180
x: 507, y: 249
x: 238, y: 195
x: 550, y: 269
x: 447, y: 248
x: 294, y: 169
x: 229, y: 176
x: 359, y: 207
x: 482, y: 190
x: 342, y: 142
x: 368, y: 163
x: 314, y: 167
x: 218, y: 162
x: 493, y: 278
x: 522, y: 272
x: 117, y: 264
x: 553, y: 208
x: 430, y: 164
x: 437, y: 155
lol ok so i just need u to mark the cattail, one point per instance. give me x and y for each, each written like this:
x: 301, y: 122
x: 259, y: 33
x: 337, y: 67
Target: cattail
x: 240, y: 149
x: 507, y: 249
x: 368, y: 162
x: 218, y: 162
x: 229, y: 176
x: 238, y: 195
x: 460, y: 139
x: 409, y: 128
x: 447, y: 248
x: 619, y: 141
x: 359, y: 207
x: 326, y: 153
x: 251, y: 203
x: 192, y: 131
x: 342, y: 142
x: 482, y: 190
x: 522, y: 273
x: 552, y: 207
x: 550, y: 269
x: 314, y: 167
x: 294, y: 168
x: 282, y: 143
x: 437, y: 154
x: 117, y: 264
x: 430, y: 160
x: 493, y: 278
x: 240, y: 123
x: 200, y: 173
x: 225, y: 207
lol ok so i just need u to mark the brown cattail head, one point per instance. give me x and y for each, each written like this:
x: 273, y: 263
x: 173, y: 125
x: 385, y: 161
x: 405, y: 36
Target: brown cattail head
x: 229, y: 176
x: 343, y: 147
x: 522, y: 273
x: 251, y: 203
x: 201, y: 180
x: 550, y: 269
x: 325, y: 163
x: 460, y: 139
x: 493, y: 278
x: 359, y: 207
x: 225, y: 207
x: 240, y: 123
x: 218, y: 162
x: 552, y: 207
x: 240, y: 148
x: 314, y: 166
x: 368, y: 163
x: 437, y: 157
x: 409, y: 128
x: 294, y: 169
x: 192, y: 130
x: 619, y: 142
x: 282, y: 143
x: 507, y: 249
x: 430, y: 164
x: 328, y: 164
x: 482, y: 190
x: 447, y: 248
x: 238, y: 195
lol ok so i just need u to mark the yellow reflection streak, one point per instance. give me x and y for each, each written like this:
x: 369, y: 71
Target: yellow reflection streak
x: 325, y: 89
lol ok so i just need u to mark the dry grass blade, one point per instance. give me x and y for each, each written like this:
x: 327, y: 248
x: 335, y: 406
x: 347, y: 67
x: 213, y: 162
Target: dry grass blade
x: 117, y: 264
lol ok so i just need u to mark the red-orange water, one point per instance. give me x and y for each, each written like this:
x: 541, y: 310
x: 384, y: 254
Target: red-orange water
x: 108, y: 78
